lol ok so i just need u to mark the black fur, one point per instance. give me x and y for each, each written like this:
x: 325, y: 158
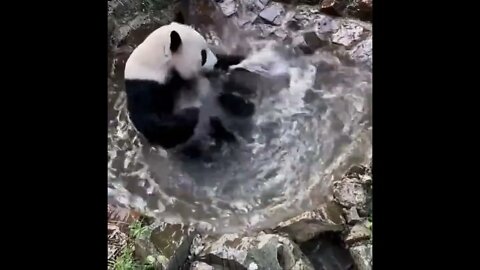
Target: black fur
x: 151, y: 108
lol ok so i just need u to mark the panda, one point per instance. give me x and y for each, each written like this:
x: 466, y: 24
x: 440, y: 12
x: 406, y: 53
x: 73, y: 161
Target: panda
x: 165, y: 76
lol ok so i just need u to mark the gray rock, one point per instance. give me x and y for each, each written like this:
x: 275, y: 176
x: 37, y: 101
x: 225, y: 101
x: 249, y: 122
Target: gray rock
x: 333, y: 7
x: 273, y: 13
x: 358, y: 233
x: 347, y: 33
x: 313, y: 42
x: 228, y: 7
x: 201, y: 266
x: 326, y: 24
x: 362, y: 52
x: 264, y: 251
x: 349, y: 193
x: 172, y: 241
x: 352, y: 215
x: 327, y: 218
x: 362, y: 255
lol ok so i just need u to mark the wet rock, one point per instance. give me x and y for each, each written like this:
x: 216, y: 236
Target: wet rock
x: 172, y: 241
x: 299, y: 2
x: 352, y: 216
x: 355, y: 190
x: 359, y: 232
x: 347, y: 33
x: 122, y: 217
x: 201, y: 266
x: 349, y: 193
x: 264, y: 251
x: 361, y: 9
x: 146, y: 252
x: 313, y: 42
x: 362, y: 255
x: 327, y: 218
x: 326, y: 24
x: 362, y: 52
x: 273, y: 14
x: 293, y: 25
x: 328, y: 252
x: 333, y: 7
x: 228, y: 7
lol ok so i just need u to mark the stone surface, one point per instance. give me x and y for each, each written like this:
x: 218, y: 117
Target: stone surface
x: 362, y: 52
x: 362, y: 255
x: 361, y: 9
x: 201, y: 266
x: 347, y: 33
x: 228, y: 7
x: 350, y: 193
x: 312, y: 42
x: 358, y: 233
x: 273, y: 13
x: 332, y: 7
x: 264, y: 251
x: 327, y: 218
x: 352, y: 215
x: 327, y: 252
x: 172, y: 242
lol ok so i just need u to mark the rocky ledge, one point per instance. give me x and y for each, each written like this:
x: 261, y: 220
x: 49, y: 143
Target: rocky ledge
x: 336, y: 235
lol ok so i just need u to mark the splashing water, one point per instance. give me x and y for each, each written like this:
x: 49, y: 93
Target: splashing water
x: 303, y: 135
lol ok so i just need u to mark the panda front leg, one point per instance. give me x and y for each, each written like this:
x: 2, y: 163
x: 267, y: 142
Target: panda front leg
x: 240, y: 87
x: 166, y: 130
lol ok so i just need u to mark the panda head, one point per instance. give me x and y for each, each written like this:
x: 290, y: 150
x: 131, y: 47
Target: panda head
x: 174, y: 46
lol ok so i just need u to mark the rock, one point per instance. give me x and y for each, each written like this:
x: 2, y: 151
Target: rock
x: 349, y: 193
x: 264, y: 251
x: 362, y: 255
x: 355, y: 190
x: 146, y: 252
x: 327, y: 218
x: 362, y: 52
x: 172, y: 241
x: 352, y: 215
x: 326, y: 24
x: 328, y: 252
x: 299, y: 2
x: 332, y: 7
x: 122, y: 217
x: 358, y: 233
x: 228, y: 7
x: 361, y: 9
x: 201, y: 266
x: 347, y: 33
x: 273, y: 13
x: 313, y: 42
x: 293, y: 25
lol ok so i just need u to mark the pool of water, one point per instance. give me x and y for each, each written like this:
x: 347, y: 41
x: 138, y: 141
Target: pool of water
x: 306, y: 131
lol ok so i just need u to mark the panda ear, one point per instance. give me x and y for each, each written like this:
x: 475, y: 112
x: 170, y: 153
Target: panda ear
x: 175, y: 41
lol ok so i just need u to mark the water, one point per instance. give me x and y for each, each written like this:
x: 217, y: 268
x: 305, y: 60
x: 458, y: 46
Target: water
x: 305, y: 133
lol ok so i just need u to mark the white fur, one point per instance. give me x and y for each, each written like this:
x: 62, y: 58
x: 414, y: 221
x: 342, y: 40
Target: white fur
x: 152, y: 59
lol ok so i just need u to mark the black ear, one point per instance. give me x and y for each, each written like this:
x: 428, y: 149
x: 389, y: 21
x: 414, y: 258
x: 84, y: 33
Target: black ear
x: 175, y: 41
x: 179, y: 18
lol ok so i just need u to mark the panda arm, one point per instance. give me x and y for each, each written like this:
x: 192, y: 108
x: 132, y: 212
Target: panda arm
x: 168, y: 130
x: 224, y: 61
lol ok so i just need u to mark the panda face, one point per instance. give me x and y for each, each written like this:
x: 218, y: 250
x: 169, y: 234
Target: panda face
x: 190, y: 52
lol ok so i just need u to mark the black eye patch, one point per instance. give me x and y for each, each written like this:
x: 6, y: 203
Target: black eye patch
x: 204, y: 57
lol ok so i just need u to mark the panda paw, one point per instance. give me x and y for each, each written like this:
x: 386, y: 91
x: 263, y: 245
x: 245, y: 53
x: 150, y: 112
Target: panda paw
x: 236, y: 105
x: 219, y: 132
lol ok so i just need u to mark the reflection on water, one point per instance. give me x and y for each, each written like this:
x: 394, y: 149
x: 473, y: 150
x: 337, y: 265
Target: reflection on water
x: 304, y: 133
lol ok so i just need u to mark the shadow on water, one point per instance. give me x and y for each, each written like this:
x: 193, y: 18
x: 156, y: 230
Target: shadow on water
x: 305, y: 132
